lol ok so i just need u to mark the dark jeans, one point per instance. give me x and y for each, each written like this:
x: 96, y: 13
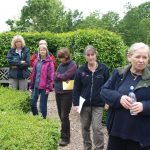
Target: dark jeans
x: 43, y: 102
x: 64, y: 103
x: 116, y: 143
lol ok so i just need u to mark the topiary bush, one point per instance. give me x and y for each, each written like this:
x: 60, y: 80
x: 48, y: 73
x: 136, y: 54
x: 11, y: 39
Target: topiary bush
x: 11, y: 99
x: 26, y: 132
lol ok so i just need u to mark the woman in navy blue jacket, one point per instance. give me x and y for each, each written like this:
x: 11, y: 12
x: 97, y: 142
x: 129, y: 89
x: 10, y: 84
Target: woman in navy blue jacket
x: 19, y: 61
x: 126, y: 131
x: 88, y: 82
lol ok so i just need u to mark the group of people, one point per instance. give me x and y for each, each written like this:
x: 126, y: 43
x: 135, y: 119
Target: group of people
x: 92, y: 83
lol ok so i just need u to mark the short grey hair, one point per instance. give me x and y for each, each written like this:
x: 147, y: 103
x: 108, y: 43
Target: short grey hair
x: 42, y: 42
x: 17, y: 38
x: 137, y: 46
x: 89, y: 48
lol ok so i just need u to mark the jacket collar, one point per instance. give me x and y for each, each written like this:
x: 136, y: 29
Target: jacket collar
x: 98, y: 68
x: 123, y: 71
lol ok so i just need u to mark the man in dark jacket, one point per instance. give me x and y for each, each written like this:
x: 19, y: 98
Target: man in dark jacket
x: 88, y: 82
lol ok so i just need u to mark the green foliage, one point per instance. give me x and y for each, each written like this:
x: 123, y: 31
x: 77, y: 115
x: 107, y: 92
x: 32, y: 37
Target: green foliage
x: 45, y: 15
x: 110, y: 47
x: 110, y: 21
x: 134, y: 27
x: 25, y: 132
x: 11, y: 99
x: 20, y: 131
x: 104, y: 118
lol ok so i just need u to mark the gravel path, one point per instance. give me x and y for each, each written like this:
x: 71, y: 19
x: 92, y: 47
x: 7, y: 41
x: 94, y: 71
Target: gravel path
x: 76, y: 137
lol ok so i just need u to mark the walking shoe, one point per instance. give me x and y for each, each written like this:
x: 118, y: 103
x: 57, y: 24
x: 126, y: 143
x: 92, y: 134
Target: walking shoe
x: 63, y: 143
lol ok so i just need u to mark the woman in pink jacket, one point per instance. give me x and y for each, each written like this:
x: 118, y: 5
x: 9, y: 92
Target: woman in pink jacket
x: 42, y: 79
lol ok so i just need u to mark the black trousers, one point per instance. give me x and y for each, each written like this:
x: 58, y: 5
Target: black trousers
x: 116, y: 143
x: 64, y: 103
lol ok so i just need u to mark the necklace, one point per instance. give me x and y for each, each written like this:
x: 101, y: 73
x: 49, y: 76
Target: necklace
x: 134, y: 75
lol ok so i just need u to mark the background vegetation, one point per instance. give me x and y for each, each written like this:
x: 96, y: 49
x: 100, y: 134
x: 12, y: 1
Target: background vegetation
x: 50, y: 15
x: 19, y: 129
x: 110, y: 47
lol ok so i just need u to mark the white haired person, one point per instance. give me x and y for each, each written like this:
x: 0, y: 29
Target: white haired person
x: 129, y: 121
x: 19, y: 61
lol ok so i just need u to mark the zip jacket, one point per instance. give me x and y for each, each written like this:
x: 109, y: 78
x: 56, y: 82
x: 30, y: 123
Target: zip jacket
x: 46, y: 79
x: 34, y: 56
x: 88, y: 85
x: 119, y: 121
x: 18, y: 70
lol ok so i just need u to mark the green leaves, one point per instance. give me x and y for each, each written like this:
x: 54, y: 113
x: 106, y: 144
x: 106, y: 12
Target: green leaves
x: 25, y: 132
x: 20, y: 131
x: 11, y: 100
x: 110, y: 47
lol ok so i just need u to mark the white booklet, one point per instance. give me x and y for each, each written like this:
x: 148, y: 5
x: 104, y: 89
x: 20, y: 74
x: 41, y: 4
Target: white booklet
x: 81, y: 101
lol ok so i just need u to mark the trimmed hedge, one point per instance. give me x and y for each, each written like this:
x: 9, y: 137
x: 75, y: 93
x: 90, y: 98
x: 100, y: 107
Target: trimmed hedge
x: 25, y: 132
x: 110, y: 46
x: 11, y: 99
x: 20, y: 131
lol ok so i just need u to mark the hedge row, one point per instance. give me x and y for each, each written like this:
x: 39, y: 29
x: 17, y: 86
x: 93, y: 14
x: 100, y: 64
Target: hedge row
x: 110, y: 47
x: 24, y: 132
x: 10, y: 99
x: 19, y: 129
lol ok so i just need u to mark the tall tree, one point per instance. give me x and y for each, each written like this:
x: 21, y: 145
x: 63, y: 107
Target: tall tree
x: 45, y: 15
x: 134, y: 26
x: 91, y: 21
x: 110, y: 21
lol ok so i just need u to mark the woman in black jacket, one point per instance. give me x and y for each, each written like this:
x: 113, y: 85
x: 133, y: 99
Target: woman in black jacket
x: 88, y: 82
x: 19, y: 61
x: 128, y: 121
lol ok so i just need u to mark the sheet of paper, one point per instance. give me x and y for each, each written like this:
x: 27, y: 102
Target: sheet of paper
x: 68, y: 85
x: 81, y: 101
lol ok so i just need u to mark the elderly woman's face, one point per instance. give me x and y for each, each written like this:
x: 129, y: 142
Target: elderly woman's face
x: 90, y: 57
x: 139, y: 59
x: 18, y: 44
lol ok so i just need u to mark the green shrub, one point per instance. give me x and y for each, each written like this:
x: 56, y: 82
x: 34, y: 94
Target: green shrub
x: 104, y: 118
x: 110, y: 46
x: 26, y: 132
x: 11, y: 99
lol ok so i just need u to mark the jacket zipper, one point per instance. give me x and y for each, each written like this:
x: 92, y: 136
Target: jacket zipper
x: 91, y: 88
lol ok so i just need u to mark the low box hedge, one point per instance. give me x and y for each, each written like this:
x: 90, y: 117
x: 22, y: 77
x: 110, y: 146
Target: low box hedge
x: 11, y: 99
x: 21, y: 131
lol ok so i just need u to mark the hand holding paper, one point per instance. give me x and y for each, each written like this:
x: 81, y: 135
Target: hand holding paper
x: 81, y: 101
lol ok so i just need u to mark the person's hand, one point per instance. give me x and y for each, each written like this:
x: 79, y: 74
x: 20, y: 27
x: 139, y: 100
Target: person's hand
x: 126, y: 101
x: 106, y: 107
x: 22, y: 61
x: 75, y: 108
x: 47, y: 92
x: 30, y: 90
x: 136, y: 107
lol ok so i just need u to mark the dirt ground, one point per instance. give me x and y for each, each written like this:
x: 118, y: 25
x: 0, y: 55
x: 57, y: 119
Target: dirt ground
x: 76, y: 137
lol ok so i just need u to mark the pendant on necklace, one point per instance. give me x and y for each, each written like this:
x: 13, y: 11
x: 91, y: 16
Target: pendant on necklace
x: 134, y: 76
